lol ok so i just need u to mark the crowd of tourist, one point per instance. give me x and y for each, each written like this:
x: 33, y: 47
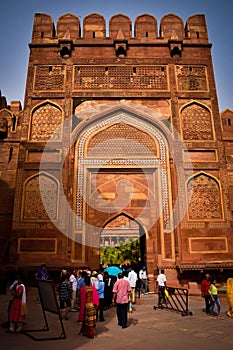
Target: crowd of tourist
x: 91, y: 293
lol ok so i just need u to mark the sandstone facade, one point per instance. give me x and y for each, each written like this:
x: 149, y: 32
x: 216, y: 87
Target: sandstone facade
x: 120, y: 135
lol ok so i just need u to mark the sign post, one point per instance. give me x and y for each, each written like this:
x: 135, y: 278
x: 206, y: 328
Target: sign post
x: 49, y: 303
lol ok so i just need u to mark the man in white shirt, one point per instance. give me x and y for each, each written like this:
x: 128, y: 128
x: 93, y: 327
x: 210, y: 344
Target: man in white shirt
x: 143, y: 280
x: 161, y: 283
x: 73, y: 282
x: 132, y: 277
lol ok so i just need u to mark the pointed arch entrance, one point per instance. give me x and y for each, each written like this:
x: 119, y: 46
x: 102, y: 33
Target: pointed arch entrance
x: 123, y: 231
x: 122, y: 166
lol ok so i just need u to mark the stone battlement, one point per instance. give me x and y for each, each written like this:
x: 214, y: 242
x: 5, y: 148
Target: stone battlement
x: 68, y: 27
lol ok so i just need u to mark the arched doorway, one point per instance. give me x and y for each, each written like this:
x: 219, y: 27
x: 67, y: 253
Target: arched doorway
x: 122, y: 166
x: 123, y: 241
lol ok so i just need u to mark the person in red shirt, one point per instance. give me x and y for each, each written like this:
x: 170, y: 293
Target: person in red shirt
x: 122, y: 296
x: 205, y: 284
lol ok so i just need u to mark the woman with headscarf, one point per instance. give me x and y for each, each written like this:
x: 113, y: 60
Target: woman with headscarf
x: 89, y: 302
x: 18, y: 309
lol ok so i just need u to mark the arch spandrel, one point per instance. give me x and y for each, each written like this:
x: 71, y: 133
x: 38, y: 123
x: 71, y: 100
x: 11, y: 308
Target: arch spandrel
x: 91, y: 113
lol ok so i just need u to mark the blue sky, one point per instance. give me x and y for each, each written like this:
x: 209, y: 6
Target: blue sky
x: 16, y: 20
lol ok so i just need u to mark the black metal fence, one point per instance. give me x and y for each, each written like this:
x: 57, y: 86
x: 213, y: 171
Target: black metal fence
x: 175, y: 299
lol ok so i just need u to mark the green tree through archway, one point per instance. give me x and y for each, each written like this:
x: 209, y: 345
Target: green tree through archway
x: 124, y: 252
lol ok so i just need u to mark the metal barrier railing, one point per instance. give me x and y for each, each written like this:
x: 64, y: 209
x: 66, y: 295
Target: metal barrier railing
x: 175, y: 299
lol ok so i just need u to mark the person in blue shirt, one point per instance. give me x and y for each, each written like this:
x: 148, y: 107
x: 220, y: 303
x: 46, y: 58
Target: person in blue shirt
x: 81, y: 283
x: 100, y: 290
x: 42, y: 273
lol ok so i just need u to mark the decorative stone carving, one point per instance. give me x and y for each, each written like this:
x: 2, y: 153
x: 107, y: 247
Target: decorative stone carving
x: 49, y: 78
x: 120, y: 77
x: 191, y: 78
x: 45, y: 120
x: 125, y: 160
x: 33, y: 208
x: 196, y: 123
x: 204, y: 198
x: 107, y: 142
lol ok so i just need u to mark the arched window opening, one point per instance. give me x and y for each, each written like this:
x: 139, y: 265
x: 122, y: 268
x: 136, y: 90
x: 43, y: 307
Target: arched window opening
x: 65, y: 52
x: 121, y: 52
x: 175, y: 52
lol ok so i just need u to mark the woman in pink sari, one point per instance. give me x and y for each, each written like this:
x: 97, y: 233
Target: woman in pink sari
x: 89, y: 302
x: 18, y: 308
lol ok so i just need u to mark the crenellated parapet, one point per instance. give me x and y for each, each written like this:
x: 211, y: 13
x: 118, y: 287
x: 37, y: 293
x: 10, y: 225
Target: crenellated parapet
x: 94, y: 27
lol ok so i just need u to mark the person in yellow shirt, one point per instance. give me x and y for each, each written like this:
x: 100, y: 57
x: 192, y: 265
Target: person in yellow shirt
x: 213, y: 291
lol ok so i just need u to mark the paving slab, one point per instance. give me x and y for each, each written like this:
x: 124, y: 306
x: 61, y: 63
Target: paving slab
x: 148, y: 328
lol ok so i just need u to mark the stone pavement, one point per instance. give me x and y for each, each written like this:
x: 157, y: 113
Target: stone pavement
x: 148, y: 328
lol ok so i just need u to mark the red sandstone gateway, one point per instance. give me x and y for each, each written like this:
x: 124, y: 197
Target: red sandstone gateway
x: 119, y: 139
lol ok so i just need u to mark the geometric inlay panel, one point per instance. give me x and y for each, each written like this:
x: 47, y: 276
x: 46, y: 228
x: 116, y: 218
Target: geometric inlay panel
x: 191, y: 78
x: 120, y: 77
x: 44, y: 122
x: 203, y: 198
x: 107, y: 142
x: 196, y: 123
x: 49, y: 78
x: 40, y: 186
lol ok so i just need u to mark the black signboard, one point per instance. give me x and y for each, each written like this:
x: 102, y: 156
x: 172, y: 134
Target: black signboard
x: 49, y: 303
